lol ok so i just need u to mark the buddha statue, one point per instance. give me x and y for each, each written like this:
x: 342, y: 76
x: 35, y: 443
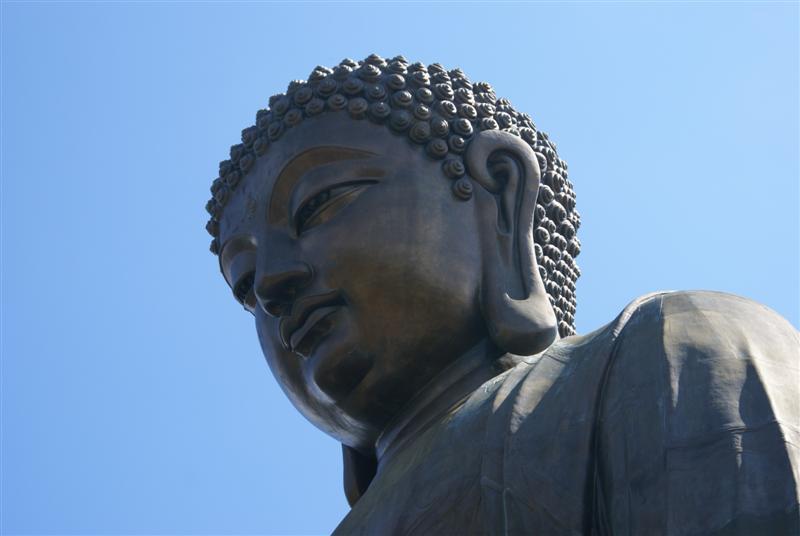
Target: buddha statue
x: 407, y: 244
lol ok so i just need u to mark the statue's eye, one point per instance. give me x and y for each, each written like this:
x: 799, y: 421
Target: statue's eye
x: 244, y: 292
x: 324, y: 205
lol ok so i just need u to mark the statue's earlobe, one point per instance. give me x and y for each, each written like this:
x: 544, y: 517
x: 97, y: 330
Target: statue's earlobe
x: 515, y: 305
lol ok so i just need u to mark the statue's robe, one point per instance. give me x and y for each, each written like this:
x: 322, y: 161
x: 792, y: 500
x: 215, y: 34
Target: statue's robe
x: 679, y: 417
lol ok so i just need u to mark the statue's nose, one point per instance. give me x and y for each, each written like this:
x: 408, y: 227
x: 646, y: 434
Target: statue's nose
x: 276, y: 289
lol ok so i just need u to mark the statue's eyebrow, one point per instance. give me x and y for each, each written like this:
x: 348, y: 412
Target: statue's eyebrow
x: 278, y: 208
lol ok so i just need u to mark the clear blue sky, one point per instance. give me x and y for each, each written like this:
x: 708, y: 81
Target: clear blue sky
x: 134, y: 395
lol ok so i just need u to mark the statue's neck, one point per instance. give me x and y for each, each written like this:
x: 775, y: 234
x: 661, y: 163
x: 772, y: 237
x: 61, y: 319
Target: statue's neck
x: 449, y: 389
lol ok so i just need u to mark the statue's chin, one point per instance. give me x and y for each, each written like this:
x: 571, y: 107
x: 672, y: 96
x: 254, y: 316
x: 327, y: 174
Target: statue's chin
x: 335, y: 366
x: 339, y: 376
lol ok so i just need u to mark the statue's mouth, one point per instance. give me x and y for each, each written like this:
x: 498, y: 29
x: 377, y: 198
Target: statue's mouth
x: 305, y: 338
x: 304, y: 326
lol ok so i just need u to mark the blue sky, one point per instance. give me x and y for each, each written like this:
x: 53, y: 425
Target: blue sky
x: 134, y: 395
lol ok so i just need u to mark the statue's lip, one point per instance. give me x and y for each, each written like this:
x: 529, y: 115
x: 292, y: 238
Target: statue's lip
x: 304, y: 339
x: 294, y: 327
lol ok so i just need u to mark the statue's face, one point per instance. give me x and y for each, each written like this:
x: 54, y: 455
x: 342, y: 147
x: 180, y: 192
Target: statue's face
x: 365, y: 270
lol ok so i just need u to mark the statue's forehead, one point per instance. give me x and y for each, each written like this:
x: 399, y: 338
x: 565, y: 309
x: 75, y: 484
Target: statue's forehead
x: 247, y: 208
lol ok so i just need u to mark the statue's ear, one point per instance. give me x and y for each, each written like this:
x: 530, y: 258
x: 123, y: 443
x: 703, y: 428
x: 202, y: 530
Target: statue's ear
x: 514, y: 302
x: 359, y: 470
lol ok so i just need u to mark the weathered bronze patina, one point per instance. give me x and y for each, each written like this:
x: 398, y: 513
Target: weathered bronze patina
x: 406, y: 242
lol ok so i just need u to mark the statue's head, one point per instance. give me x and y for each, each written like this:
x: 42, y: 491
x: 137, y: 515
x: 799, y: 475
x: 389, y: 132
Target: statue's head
x: 381, y: 219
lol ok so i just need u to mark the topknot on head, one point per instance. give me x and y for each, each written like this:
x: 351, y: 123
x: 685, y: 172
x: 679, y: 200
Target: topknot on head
x: 438, y: 110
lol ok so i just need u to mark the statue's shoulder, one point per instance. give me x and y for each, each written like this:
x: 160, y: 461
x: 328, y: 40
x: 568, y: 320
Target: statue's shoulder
x: 664, y: 332
x: 681, y: 412
x: 697, y: 417
x: 710, y: 309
